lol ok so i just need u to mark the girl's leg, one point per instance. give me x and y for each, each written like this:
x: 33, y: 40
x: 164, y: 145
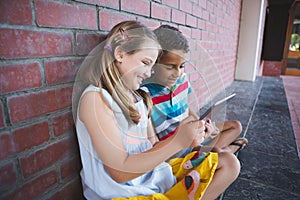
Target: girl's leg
x: 192, y: 180
x: 227, y: 171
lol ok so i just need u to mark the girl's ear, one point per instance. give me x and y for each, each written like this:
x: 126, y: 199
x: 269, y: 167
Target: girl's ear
x: 118, y: 53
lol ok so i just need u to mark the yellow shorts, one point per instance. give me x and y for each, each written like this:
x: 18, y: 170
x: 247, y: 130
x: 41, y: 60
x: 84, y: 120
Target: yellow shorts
x: 183, y: 171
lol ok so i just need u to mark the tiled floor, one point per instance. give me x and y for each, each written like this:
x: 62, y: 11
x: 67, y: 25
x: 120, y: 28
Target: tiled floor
x: 270, y: 162
x: 292, y: 89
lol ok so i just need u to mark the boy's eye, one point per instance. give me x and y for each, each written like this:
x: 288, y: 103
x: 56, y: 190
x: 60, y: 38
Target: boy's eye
x: 168, y: 67
x: 182, y: 67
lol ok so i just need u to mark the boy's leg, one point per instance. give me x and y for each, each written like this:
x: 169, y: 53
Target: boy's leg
x: 230, y: 131
x: 227, y: 171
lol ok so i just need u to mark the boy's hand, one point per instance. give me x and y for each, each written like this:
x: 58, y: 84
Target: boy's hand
x: 210, y: 129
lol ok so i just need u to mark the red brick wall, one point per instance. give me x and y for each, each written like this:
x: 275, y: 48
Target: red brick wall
x: 43, y: 42
x: 271, y: 68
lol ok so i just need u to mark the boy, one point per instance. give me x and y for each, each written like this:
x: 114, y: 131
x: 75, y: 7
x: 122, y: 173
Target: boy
x: 169, y: 88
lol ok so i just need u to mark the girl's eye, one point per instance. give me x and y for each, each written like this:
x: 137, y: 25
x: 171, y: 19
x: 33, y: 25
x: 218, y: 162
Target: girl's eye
x: 146, y: 63
x: 182, y: 67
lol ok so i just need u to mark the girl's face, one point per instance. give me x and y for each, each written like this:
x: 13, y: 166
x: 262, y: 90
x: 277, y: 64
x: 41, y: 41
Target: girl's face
x: 169, y: 68
x: 134, y: 68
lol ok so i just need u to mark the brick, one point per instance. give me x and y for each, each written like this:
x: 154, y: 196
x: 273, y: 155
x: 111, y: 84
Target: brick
x: 7, y: 147
x: 171, y: 3
x: 2, y: 118
x: 203, y: 3
x: 63, y: 123
x: 201, y: 24
x: 35, y: 188
x: 186, y: 6
x: 71, y: 168
x: 20, y: 77
x: 65, y: 15
x: 141, y: 7
x: 196, y: 33
x: 18, y: 43
x: 191, y: 20
x: 44, y: 158
x: 148, y: 22
x: 33, y: 105
x: 61, y: 71
x: 178, y: 16
x: 160, y: 12
x: 210, y: 7
x: 107, y: 3
x: 205, y: 36
x: 71, y: 191
x: 8, y: 175
x: 30, y: 136
x: 213, y: 19
x: 85, y: 42
x: 17, y: 12
x: 108, y: 19
x: 197, y: 11
x: 205, y: 15
x: 185, y: 31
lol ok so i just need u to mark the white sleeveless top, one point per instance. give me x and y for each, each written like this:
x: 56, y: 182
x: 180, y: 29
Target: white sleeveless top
x: 97, y: 183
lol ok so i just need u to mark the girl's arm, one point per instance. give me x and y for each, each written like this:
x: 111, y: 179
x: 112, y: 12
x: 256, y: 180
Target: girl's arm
x: 152, y: 137
x: 107, y: 140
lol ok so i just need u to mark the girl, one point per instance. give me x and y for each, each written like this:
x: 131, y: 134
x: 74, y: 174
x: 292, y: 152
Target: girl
x: 113, y: 125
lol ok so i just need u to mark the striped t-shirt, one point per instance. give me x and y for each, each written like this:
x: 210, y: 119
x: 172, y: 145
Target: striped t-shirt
x: 170, y: 106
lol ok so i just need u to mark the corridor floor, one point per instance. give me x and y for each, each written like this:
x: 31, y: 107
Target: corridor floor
x: 270, y: 162
x: 292, y: 90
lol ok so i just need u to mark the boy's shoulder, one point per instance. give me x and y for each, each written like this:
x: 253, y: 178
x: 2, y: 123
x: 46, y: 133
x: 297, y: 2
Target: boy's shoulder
x: 153, y: 88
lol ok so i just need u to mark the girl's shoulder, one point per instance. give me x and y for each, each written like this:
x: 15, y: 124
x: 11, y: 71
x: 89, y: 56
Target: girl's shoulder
x: 104, y: 92
x: 92, y: 88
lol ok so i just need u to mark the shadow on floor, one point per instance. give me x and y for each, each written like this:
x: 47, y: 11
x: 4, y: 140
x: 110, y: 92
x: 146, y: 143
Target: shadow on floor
x: 270, y: 164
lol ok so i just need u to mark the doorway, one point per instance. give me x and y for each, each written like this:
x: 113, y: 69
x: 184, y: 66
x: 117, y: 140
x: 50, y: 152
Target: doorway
x: 292, y: 45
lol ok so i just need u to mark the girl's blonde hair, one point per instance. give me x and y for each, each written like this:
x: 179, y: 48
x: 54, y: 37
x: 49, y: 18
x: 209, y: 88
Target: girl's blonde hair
x: 100, y: 69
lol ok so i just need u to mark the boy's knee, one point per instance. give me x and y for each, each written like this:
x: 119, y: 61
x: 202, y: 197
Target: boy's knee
x: 236, y: 125
x: 230, y: 162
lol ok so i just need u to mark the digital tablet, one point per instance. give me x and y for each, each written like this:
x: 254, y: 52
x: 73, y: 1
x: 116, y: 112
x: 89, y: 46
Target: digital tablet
x: 215, y: 105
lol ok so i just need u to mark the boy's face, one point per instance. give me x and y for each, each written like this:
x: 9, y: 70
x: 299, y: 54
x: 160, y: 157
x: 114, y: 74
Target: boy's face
x: 169, y: 68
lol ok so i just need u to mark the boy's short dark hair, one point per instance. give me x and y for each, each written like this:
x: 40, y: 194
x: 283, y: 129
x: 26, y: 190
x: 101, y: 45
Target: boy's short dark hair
x: 170, y: 38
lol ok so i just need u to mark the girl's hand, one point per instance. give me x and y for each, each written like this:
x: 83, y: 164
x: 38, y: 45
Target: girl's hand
x: 200, y: 135
x: 190, y: 132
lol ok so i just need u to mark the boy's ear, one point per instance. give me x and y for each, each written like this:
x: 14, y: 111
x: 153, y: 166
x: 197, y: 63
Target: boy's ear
x: 118, y: 54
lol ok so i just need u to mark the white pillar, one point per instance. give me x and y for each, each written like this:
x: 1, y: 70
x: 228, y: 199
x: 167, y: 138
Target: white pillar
x: 250, y: 39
